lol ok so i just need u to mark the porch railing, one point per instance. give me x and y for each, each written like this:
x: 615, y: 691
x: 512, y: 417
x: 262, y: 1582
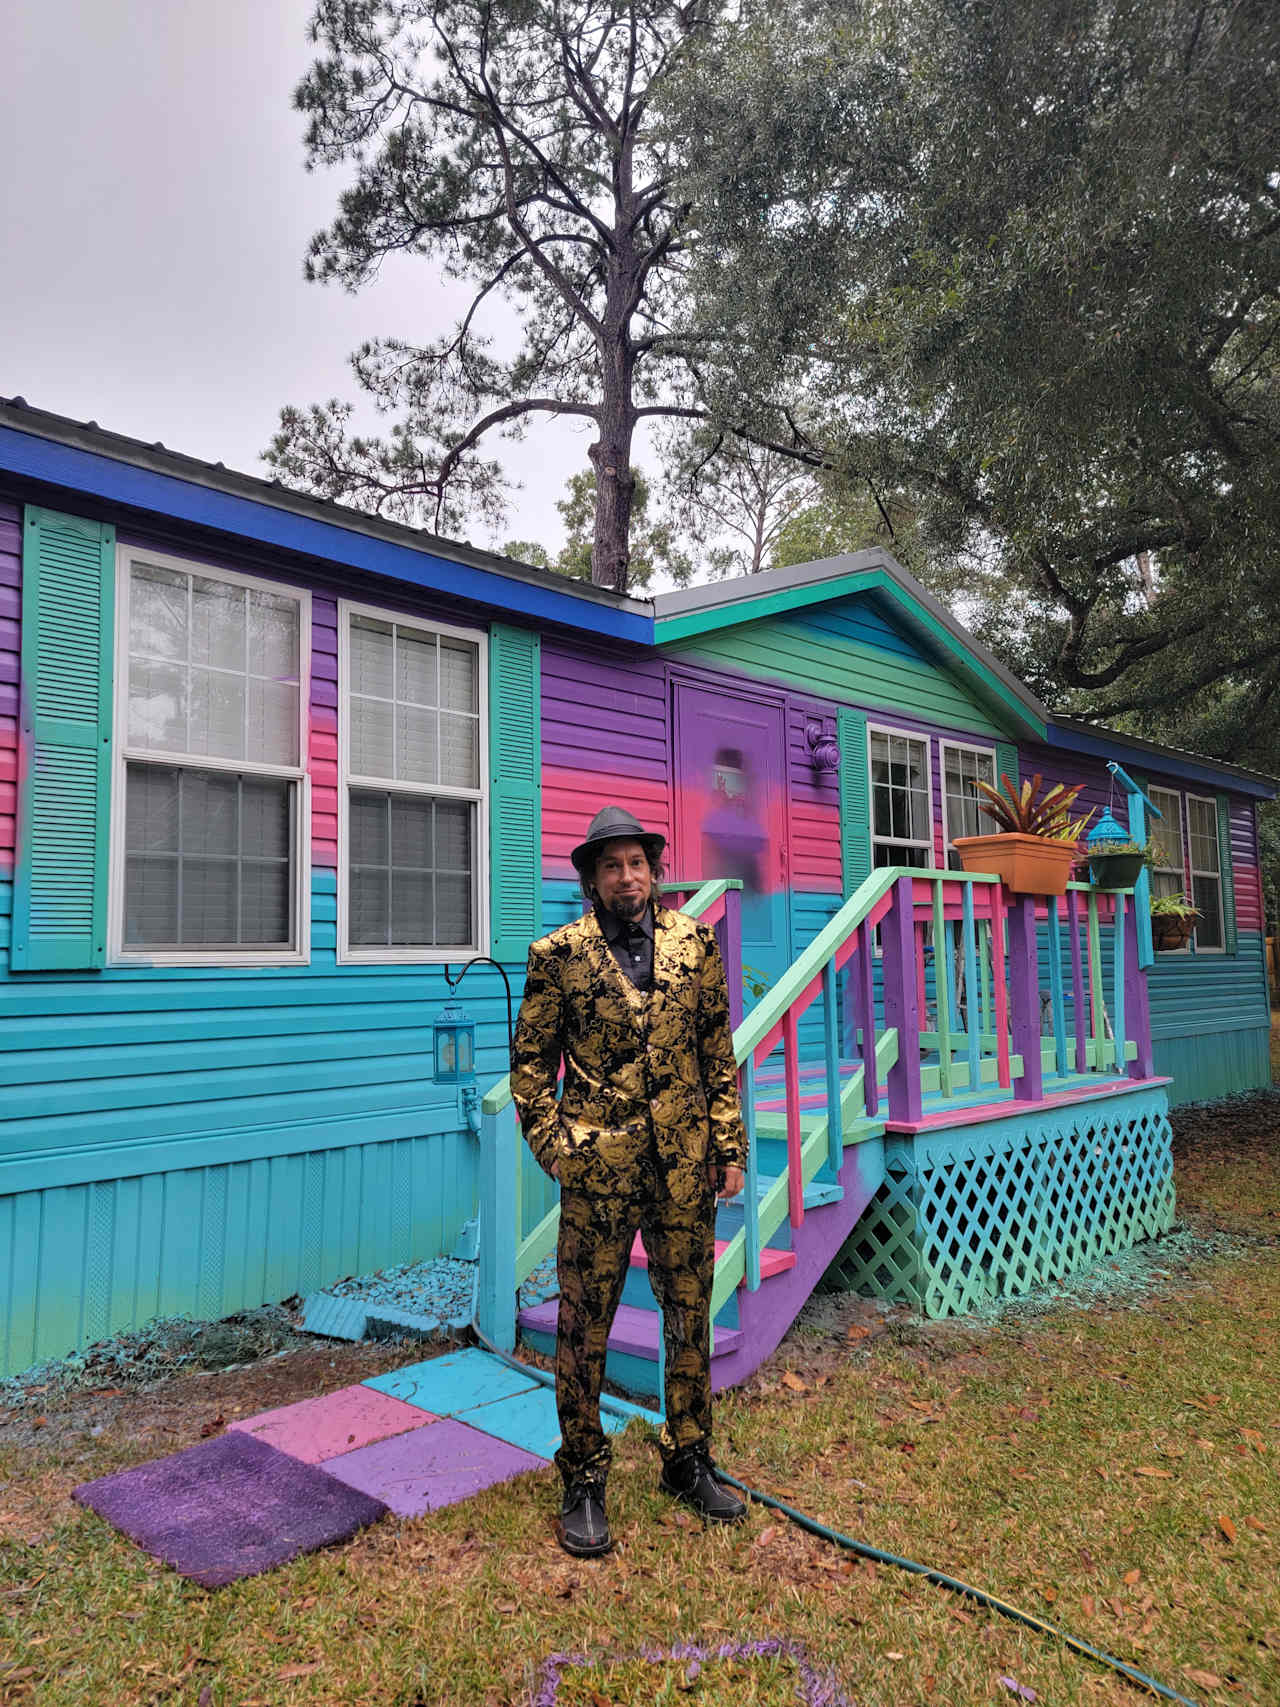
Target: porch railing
x: 932, y: 990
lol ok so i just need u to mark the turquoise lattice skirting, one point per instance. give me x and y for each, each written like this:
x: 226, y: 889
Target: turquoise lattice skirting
x: 971, y: 1213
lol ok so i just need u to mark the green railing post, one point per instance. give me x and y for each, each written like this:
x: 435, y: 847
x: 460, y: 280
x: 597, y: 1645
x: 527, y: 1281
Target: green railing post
x: 831, y: 1038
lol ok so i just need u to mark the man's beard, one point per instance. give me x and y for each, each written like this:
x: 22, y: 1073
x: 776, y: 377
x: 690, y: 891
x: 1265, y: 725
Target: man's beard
x: 629, y: 907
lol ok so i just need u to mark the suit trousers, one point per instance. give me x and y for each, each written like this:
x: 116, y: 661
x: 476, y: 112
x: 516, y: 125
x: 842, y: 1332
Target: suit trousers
x: 597, y: 1229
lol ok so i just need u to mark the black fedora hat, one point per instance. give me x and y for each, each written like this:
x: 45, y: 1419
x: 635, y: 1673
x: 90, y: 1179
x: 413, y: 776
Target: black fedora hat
x: 611, y: 824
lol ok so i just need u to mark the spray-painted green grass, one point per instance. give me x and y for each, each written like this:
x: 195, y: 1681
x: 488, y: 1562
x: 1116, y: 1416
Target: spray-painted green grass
x: 1112, y: 1470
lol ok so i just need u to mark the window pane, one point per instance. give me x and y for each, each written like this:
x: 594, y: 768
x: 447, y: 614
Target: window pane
x: 216, y: 728
x: 458, y: 675
x: 1207, y: 895
x: 218, y: 624
x: 368, y: 826
x: 372, y: 742
x: 459, y: 751
x: 274, y: 636
x: 151, y: 815
x: 453, y: 835
x: 157, y: 613
x: 1202, y: 816
x: 273, y: 722
x: 412, y: 906
x: 416, y: 738
x: 1166, y: 831
x: 370, y: 907
x: 416, y: 668
x: 371, y: 652
x: 453, y: 909
x: 158, y: 706
x: 229, y: 880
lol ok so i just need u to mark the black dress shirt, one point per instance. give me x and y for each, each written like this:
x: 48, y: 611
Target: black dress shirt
x: 631, y: 943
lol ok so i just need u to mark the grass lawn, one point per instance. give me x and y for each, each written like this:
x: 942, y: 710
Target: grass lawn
x: 1111, y: 1467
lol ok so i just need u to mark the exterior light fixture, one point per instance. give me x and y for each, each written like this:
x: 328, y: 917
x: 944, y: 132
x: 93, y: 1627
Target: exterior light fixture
x: 453, y: 1046
x: 824, y: 749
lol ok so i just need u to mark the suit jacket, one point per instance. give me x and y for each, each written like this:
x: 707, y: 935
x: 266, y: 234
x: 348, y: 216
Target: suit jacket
x: 630, y: 1059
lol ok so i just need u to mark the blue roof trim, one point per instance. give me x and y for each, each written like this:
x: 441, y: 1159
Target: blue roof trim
x: 202, y: 506
x: 1110, y: 745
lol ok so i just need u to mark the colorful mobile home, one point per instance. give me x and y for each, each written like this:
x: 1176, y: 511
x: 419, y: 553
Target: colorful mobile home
x: 269, y: 766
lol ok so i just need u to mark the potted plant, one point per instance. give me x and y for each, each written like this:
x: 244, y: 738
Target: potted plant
x: 1173, y: 919
x: 1038, y: 840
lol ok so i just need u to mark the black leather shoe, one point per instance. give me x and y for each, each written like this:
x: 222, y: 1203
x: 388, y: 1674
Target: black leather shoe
x: 691, y: 1476
x: 582, y: 1527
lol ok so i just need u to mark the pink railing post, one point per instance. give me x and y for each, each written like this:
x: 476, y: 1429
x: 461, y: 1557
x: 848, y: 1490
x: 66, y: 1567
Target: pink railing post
x: 791, y: 1077
x: 1137, y: 1002
x: 865, y: 1008
x: 1024, y: 987
x: 1000, y: 991
x: 1077, y: 981
x: 902, y: 1000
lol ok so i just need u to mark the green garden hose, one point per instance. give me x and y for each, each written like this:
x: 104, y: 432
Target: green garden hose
x: 865, y: 1550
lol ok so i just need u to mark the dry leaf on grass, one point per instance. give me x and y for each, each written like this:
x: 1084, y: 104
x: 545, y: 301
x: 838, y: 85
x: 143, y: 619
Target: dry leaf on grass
x: 1131, y: 1576
x: 1205, y: 1679
x: 796, y: 1382
x: 1153, y: 1470
x: 304, y: 1670
x: 1228, y: 1528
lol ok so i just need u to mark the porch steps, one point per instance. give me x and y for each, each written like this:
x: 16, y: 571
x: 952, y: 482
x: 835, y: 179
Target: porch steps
x: 635, y: 1332
x: 771, y: 1261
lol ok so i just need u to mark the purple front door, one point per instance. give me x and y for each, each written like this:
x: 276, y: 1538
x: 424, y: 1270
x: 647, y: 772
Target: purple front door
x: 731, y: 812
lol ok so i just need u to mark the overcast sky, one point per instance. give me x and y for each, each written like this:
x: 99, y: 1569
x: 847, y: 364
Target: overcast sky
x: 154, y: 215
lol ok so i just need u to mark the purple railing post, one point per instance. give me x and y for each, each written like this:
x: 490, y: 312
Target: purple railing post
x: 1077, y: 982
x: 1137, y: 1001
x: 729, y: 931
x: 865, y: 1007
x: 902, y: 1001
x: 1024, y: 992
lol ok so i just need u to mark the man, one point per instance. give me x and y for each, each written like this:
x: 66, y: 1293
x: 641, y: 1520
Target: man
x: 647, y: 1134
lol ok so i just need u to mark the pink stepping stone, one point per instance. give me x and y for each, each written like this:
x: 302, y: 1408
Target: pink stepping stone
x: 315, y: 1430
x: 438, y: 1465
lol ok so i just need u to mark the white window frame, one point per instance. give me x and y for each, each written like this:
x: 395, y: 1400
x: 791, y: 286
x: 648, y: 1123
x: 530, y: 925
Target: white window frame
x: 411, y: 955
x: 944, y: 747
x: 1173, y: 810
x: 118, y: 954
x: 905, y: 735
x: 1217, y: 947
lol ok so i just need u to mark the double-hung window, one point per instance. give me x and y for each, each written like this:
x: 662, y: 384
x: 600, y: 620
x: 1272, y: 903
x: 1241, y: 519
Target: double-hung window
x: 901, y: 815
x: 411, y: 825
x: 210, y: 829
x: 1206, y: 870
x: 962, y: 768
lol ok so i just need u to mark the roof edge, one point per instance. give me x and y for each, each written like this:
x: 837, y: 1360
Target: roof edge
x: 1180, y: 757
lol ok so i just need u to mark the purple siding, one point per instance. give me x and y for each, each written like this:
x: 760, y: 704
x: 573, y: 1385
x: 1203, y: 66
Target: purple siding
x: 10, y: 645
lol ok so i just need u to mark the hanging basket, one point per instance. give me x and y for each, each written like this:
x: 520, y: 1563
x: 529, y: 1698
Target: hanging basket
x: 1115, y: 871
x: 1028, y: 865
x: 1168, y: 931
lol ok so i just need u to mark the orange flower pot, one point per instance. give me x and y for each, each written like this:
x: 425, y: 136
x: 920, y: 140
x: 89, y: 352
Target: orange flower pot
x: 1028, y: 865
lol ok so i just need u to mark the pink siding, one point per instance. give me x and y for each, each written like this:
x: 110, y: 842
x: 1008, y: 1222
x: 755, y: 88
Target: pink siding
x: 10, y: 644
x: 1244, y: 867
x: 322, y: 755
x: 816, y: 857
x: 605, y: 740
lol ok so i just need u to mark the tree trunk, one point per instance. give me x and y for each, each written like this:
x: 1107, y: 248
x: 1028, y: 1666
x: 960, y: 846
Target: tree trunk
x: 615, y: 492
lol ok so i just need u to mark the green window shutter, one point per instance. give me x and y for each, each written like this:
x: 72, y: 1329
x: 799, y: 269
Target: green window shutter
x: 1006, y: 765
x: 515, y: 791
x: 855, y: 798
x: 60, y: 878
x: 1228, y: 876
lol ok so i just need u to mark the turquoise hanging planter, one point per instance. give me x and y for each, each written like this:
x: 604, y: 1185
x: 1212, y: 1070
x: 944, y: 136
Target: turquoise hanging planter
x: 1110, y: 869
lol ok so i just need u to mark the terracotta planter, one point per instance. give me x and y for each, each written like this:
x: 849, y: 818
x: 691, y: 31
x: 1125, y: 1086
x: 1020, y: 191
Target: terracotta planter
x: 1168, y: 932
x: 1028, y: 865
x: 1116, y: 871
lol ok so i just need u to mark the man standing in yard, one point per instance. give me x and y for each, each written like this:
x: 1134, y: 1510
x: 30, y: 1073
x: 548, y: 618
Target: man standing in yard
x: 648, y: 1132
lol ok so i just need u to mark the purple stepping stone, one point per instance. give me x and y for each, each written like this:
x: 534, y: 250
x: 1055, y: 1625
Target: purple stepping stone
x: 434, y: 1466
x: 317, y: 1429
x: 229, y: 1508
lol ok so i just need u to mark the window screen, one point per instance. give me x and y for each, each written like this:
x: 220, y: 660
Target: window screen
x: 962, y: 767
x: 901, y: 819
x: 1206, y: 873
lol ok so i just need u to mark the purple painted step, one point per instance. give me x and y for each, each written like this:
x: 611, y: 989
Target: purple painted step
x: 635, y: 1331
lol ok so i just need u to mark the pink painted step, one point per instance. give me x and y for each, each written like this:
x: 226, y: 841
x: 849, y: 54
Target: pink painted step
x: 635, y: 1331
x: 771, y: 1261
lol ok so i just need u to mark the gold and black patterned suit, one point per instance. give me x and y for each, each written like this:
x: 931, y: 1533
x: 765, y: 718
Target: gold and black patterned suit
x: 650, y: 1100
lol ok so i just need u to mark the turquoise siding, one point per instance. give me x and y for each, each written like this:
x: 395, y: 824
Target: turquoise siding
x: 849, y: 652
x: 1211, y: 1021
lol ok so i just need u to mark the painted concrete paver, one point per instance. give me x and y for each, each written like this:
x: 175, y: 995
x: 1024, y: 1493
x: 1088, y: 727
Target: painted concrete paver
x: 433, y: 1466
x: 446, y: 1384
x: 314, y: 1430
x: 529, y: 1420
